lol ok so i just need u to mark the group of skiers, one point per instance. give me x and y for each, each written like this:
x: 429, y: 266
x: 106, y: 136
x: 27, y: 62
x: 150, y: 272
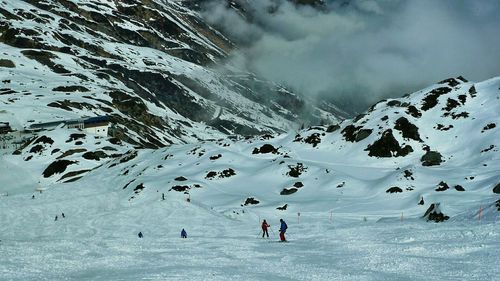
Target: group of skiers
x: 62, y: 215
x: 265, y: 226
x: 183, y: 234
x: 282, y: 230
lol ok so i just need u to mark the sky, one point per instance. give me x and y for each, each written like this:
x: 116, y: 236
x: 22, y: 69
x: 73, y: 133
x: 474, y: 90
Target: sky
x: 358, y: 52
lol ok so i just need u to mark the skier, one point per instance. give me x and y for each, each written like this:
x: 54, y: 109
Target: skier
x: 163, y: 196
x: 33, y: 196
x: 55, y: 219
x: 283, y: 228
x: 264, y: 229
x: 140, y: 234
x: 183, y: 233
x: 63, y: 215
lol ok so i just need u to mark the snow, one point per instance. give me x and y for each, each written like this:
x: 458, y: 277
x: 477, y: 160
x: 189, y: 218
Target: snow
x: 98, y: 241
x: 350, y: 228
x: 353, y: 232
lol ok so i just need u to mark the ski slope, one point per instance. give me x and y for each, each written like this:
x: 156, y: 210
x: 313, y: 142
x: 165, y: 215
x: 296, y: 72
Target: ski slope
x: 97, y: 240
x: 351, y: 227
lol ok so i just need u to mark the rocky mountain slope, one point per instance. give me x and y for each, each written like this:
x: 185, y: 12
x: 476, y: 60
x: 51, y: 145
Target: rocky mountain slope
x: 149, y: 65
x: 368, y: 190
x: 438, y: 145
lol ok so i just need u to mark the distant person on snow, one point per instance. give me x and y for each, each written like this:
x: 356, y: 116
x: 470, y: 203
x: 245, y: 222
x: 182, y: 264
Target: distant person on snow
x: 33, y: 196
x: 140, y: 234
x: 264, y: 229
x: 63, y: 215
x: 184, y: 233
x: 283, y: 228
x: 55, y: 219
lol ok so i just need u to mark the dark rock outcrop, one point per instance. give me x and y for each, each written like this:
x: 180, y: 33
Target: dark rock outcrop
x: 431, y: 158
x: 394, y: 189
x: 434, y: 213
x: 264, y: 149
x: 387, y: 146
x: 282, y: 208
x: 296, y: 171
x: 488, y: 127
x: 409, y: 130
x: 496, y: 189
x: 57, y: 167
x: 355, y: 134
x: 95, y: 155
x: 288, y: 191
x: 442, y: 186
x: 332, y: 128
x: 251, y: 201
x: 180, y: 188
x: 431, y: 99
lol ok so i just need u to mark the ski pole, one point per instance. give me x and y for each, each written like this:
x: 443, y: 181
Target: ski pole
x: 271, y: 230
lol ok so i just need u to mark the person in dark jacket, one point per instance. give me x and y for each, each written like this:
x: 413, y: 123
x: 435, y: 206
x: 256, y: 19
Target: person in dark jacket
x: 283, y: 228
x: 183, y: 233
x: 140, y: 234
x: 265, y: 225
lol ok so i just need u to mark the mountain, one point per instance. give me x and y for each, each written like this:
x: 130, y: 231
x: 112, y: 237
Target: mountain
x: 367, y: 190
x: 151, y: 66
x: 438, y: 145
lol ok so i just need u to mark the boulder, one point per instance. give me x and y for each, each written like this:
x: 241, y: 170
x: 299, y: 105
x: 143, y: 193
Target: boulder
x: 431, y: 158
x: 394, y: 189
x: 251, y: 201
x: 180, y: 188
x: 496, y: 189
x: 288, y: 191
x: 442, y: 186
x: 266, y: 148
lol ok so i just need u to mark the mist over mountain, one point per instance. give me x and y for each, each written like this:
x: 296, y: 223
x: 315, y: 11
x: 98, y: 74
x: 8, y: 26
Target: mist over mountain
x: 357, y: 52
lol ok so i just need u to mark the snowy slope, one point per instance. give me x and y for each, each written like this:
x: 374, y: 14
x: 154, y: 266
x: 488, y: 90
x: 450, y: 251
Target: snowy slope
x: 383, y: 162
x: 350, y: 227
x: 146, y: 64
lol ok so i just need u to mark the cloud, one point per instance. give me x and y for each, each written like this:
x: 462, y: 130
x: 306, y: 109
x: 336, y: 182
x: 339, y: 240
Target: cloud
x: 360, y: 51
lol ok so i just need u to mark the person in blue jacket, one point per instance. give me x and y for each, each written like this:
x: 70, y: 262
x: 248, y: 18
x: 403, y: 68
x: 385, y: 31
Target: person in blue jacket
x: 283, y: 228
x: 184, y: 233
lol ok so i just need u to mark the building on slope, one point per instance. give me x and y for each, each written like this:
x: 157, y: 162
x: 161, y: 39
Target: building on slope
x: 93, y: 125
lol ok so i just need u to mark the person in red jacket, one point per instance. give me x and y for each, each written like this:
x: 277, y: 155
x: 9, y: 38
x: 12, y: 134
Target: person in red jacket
x: 264, y: 229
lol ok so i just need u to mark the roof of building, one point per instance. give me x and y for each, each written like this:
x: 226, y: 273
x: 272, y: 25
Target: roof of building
x: 88, y: 122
